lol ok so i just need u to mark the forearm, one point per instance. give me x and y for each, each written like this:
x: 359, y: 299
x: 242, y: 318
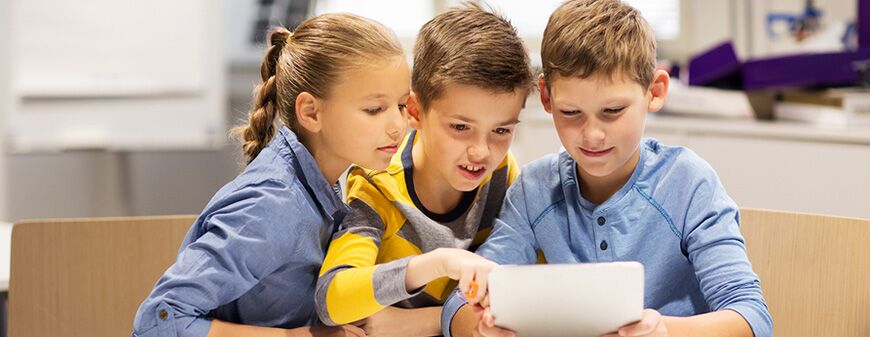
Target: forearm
x: 722, y: 323
x: 429, y: 320
x: 225, y: 329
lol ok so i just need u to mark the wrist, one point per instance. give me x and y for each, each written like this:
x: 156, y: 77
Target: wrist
x: 422, y: 269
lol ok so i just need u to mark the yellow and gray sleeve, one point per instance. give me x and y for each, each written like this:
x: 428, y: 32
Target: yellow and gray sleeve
x: 351, y: 286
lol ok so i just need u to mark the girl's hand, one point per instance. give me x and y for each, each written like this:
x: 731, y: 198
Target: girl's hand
x: 650, y: 325
x: 465, y: 266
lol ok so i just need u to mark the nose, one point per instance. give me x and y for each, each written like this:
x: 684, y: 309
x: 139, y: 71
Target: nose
x: 593, y: 132
x: 478, y: 151
x: 396, y: 125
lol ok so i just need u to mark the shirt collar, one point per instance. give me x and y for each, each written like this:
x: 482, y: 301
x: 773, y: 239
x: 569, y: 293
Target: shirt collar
x: 328, y: 195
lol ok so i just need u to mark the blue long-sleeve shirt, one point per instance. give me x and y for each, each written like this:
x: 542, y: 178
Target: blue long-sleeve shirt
x: 253, y: 255
x: 672, y: 215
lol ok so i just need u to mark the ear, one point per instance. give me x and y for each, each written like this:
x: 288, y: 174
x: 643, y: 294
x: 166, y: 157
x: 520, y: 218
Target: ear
x: 658, y: 90
x: 545, y: 94
x: 414, y: 109
x: 308, y: 112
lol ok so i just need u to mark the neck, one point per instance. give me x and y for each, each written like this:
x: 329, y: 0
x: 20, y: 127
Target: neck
x: 433, y: 191
x: 598, y: 189
x: 330, y: 164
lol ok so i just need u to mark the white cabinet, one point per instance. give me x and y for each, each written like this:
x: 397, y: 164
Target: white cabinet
x: 785, y: 166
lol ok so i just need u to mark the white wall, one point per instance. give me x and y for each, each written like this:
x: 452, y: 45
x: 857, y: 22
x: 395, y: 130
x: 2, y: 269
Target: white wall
x: 96, y: 183
x: 5, y: 98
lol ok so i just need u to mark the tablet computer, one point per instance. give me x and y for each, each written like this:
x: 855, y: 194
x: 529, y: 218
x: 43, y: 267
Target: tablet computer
x: 587, y: 299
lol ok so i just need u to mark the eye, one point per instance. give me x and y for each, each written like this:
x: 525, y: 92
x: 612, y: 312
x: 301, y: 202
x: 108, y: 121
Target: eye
x: 459, y: 127
x: 502, y: 131
x: 570, y: 112
x: 373, y: 110
x: 402, y: 107
x: 614, y: 110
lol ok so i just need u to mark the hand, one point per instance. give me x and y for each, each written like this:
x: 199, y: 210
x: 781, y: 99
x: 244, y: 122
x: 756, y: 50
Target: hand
x: 650, y: 325
x: 486, y: 327
x: 465, y: 266
x: 483, y: 304
x: 336, y: 331
x: 398, y: 322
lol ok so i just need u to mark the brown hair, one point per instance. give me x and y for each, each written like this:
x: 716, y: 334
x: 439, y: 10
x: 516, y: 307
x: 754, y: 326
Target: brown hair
x: 311, y: 60
x: 589, y: 37
x: 471, y: 46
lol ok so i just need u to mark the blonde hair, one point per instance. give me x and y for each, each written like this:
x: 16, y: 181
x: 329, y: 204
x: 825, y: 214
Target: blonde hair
x: 471, y: 46
x: 310, y: 59
x: 598, y: 37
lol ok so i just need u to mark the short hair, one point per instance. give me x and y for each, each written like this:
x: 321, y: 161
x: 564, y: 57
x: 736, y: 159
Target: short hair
x: 598, y: 37
x: 471, y: 46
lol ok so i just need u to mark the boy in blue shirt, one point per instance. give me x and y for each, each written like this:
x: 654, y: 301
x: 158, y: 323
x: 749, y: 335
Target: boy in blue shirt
x: 612, y: 196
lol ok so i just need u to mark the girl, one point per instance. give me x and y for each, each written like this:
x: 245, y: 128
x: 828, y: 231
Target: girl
x: 248, y: 266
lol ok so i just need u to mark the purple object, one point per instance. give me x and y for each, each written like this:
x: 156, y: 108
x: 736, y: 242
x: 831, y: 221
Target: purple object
x: 720, y: 67
x: 829, y: 69
x: 715, y: 65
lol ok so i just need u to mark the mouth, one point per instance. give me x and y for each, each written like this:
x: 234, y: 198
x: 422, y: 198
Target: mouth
x: 472, y: 172
x: 596, y: 153
x: 391, y: 149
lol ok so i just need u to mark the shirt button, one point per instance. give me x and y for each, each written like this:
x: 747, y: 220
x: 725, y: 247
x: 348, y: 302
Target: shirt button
x: 163, y: 315
x: 603, y: 245
x: 601, y: 221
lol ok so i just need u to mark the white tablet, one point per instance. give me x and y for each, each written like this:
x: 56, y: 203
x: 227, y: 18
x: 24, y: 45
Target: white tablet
x: 553, y: 300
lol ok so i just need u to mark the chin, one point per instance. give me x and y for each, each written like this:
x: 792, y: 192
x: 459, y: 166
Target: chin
x: 375, y: 164
x: 465, y: 186
x: 596, y: 170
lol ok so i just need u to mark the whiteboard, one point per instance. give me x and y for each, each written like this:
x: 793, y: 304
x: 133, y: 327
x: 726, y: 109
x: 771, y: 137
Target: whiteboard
x: 116, y: 74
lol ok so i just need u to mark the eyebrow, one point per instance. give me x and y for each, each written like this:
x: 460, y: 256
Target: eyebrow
x: 376, y: 96
x: 469, y: 120
x: 510, y: 122
x: 618, y: 100
x: 610, y: 101
x: 383, y: 95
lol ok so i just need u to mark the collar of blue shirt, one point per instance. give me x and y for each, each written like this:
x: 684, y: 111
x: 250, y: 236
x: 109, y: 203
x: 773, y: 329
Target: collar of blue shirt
x: 328, y: 195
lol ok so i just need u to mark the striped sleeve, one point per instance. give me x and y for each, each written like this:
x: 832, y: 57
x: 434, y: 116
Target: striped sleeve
x: 351, y: 286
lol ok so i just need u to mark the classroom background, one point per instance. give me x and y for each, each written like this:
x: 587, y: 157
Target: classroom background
x: 113, y: 108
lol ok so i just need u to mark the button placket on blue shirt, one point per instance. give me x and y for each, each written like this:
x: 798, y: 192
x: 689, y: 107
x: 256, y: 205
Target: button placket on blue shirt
x: 603, y: 242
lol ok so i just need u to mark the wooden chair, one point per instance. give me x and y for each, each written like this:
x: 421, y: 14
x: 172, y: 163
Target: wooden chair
x: 87, y: 277
x: 814, y: 271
